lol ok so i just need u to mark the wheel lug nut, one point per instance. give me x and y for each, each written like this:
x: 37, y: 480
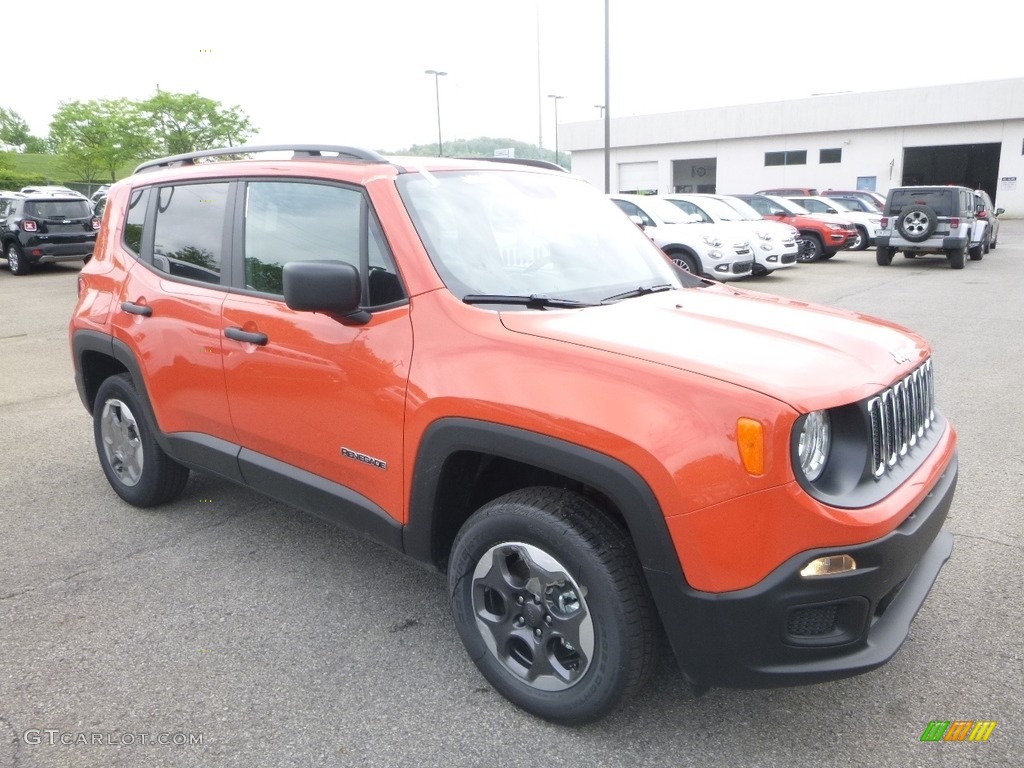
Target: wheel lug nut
x: 548, y: 618
x: 520, y: 621
x: 520, y: 600
x: 537, y: 632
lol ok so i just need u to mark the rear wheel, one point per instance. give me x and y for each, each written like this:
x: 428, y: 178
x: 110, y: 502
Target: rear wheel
x: 883, y: 256
x: 956, y: 257
x: 16, y: 261
x: 136, y: 467
x: 550, y: 601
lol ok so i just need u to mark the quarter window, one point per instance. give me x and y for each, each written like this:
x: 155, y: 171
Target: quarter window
x: 189, y: 234
x: 136, y: 219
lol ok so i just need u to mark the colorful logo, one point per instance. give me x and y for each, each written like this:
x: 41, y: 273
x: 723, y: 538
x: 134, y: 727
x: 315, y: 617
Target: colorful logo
x: 958, y: 730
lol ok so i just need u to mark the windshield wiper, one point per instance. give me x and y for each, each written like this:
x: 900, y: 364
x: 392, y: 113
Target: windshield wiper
x: 534, y: 301
x: 643, y: 290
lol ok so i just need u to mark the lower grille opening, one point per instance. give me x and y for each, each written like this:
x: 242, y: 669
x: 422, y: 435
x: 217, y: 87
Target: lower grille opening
x: 811, y: 622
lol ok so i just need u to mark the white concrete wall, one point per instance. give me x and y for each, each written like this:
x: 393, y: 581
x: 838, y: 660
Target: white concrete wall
x: 871, y: 129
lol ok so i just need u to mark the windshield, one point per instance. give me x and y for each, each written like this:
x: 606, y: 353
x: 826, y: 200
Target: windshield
x: 664, y: 210
x: 720, y: 210
x: 742, y: 207
x: 519, y: 233
x: 794, y: 209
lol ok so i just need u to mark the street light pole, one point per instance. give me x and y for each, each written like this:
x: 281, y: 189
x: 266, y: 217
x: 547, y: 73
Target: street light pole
x: 556, y: 98
x: 437, y: 98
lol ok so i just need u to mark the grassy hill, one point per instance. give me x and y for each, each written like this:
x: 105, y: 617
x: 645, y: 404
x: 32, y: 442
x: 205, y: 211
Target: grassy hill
x: 50, y: 170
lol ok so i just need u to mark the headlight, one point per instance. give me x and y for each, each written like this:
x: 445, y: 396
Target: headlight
x: 713, y: 241
x: 764, y: 236
x: 714, y: 253
x: 814, y: 444
x: 834, y: 227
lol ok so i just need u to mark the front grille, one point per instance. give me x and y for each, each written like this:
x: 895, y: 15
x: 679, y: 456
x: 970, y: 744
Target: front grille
x: 811, y: 622
x: 742, y: 267
x: 900, y: 416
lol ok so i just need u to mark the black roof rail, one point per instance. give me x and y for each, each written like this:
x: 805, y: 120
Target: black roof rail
x: 297, y: 150
x: 519, y: 161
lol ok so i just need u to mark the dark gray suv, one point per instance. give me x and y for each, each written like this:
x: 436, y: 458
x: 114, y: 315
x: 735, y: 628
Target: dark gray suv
x: 926, y: 220
x: 42, y: 228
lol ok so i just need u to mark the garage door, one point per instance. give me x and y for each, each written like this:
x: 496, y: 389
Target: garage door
x: 638, y: 177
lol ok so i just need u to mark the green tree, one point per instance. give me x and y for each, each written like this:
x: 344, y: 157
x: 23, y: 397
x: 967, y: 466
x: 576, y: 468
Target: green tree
x: 13, y: 128
x: 187, y: 122
x: 100, y: 136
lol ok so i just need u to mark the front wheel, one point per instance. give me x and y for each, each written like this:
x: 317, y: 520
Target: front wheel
x: 811, y: 248
x: 686, y: 262
x: 551, y: 604
x: 136, y: 467
x: 977, y: 252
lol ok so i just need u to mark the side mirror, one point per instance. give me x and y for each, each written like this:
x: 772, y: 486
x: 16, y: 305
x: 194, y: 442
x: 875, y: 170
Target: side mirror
x: 637, y: 220
x: 1000, y: 210
x: 332, y: 287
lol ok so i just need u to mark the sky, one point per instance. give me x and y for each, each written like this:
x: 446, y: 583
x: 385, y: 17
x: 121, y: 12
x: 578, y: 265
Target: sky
x: 353, y: 73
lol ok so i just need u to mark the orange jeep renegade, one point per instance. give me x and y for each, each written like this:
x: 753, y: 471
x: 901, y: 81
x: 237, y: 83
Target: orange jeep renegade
x: 486, y: 366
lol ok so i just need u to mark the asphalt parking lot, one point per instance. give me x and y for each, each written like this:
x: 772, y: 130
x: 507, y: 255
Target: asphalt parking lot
x: 276, y: 640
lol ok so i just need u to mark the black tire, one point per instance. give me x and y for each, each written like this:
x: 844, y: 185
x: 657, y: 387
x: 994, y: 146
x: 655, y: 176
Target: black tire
x: 992, y: 243
x: 909, y: 255
x: 136, y: 467
x: 16, y: 261
x: 977, y: 252
x: 686, y: 262
x: 861, y: 242
x: 551, y: 604
x: 883, y: 256
x: 825, y: 255
x: 810, y: 247
x: 956, y: 257
x: 917, y: 222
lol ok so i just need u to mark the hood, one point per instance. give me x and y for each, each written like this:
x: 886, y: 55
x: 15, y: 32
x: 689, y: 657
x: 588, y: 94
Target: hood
x: 693, y: 234
x: 806, y: 355
x: 828, y: 218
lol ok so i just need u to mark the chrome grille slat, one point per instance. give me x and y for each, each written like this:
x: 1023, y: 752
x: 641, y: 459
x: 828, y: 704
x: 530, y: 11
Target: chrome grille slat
x: 900, y: 416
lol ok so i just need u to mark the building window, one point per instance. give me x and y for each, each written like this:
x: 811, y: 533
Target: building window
x: 830, y: 155
x: 798, y: 157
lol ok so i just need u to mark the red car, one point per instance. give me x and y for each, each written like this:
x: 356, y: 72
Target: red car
x: 822, y: 235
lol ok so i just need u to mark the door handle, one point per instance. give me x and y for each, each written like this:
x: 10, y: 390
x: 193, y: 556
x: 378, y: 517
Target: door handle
x: 136, y: 309
x: 237, y: 334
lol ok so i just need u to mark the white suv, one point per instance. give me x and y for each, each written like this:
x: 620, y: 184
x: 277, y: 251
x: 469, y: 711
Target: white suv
x: 703, y: 249
x: 774, y: 244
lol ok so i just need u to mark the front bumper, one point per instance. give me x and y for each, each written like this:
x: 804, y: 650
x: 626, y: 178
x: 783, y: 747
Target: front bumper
x: 789, y: 630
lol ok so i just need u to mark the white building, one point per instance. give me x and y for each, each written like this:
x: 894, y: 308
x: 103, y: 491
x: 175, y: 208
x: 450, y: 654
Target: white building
x: 964, y: 133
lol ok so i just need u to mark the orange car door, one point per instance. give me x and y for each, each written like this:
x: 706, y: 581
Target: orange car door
x: 308, y: 393
x: 169, y: 309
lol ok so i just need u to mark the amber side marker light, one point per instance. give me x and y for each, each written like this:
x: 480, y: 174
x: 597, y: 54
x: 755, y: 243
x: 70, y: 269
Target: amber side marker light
x: 750, y: 441
x: 829, y: 566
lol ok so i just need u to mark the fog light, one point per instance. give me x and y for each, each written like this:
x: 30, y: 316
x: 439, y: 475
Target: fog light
x: 721, y: 268
x: 829, y: 566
